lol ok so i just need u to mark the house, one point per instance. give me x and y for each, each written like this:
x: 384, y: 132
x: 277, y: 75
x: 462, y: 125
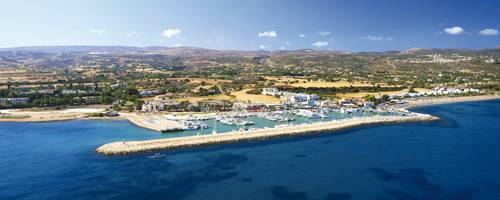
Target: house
x: 368, y: 104
x: 68, y: 92
x: 14, y: 100
x: 149, y: 92
x: 45, y: 91
x: 196, y: 90
x: 270, y: 91
x: 344, y: 101
x: 146, y: 93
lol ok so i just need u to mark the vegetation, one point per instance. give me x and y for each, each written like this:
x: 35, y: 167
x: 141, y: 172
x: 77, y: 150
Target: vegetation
x: 96, y: 114
x: 13, y: 117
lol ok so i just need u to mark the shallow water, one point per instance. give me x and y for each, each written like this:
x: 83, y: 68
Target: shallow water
x: 454, y: 158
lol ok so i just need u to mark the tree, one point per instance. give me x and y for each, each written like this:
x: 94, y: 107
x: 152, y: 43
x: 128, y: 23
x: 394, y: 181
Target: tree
x: 385, y: 97
x: 411, y: 90
x: 106, y: 100
x: 138, y: 104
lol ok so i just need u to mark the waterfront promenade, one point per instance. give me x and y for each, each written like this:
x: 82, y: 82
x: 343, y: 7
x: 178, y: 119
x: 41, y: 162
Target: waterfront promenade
x: 153, y: 122
x: 132, y: 147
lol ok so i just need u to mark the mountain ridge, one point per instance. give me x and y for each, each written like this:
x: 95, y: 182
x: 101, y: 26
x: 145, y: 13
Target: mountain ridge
x: 82, y: 49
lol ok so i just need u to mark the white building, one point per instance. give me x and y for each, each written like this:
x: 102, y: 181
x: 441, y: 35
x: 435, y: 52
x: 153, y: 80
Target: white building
x: 270, y: 91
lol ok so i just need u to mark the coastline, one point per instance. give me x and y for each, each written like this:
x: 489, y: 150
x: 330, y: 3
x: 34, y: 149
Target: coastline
x: 437, y: 101
x: 133, y: 147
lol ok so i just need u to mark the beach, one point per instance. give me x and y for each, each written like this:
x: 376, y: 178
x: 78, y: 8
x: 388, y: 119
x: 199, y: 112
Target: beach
x: 47, y: 116
x: 425, y: 101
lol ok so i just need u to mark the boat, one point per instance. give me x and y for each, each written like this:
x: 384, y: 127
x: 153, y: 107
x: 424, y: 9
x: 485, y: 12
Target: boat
x: 157, y: 155
x: 204, y: 126
x: 191, y: 128
x: 172, y: 129
x: 312, y: 116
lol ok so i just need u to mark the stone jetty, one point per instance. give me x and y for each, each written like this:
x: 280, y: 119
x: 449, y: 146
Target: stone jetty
x: 120, y: 148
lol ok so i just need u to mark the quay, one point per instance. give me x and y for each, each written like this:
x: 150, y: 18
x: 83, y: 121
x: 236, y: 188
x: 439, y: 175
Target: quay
x: 154, y: 122
x: 133, y: 147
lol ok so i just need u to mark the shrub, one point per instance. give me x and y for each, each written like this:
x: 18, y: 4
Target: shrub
x: 96, y: 114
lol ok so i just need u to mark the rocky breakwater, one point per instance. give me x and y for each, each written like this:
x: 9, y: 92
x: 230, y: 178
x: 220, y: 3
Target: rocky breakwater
x: 120, y: 148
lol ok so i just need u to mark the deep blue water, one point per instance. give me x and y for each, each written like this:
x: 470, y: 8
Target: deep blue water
x: 457, y: 157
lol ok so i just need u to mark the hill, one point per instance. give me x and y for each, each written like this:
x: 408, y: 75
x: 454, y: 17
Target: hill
x: 497, y: 47
x: 157, y: 50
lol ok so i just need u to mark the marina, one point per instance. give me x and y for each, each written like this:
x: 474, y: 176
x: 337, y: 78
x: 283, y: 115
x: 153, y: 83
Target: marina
x: 120, y: 148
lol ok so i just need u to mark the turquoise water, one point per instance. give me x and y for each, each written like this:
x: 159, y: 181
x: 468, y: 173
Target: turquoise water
x: 454, y: 158
x: 261, y: 122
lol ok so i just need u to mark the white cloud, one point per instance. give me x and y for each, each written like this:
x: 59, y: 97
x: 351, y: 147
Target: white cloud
x: 329, y: 48
x: 178, y: 45
x: 209, y: 41
x: 390, y: 38
x: 99, y: 31
x: 132, y: 34
x: 268, y: 34
x: 302, y: 35
x: 221, y: 38
x: 373, y: 38
x: 455, y: 30
x: 320, y: 44
x: 170, y: 32
x: 184, y: 38
x: 324, y: 32
x: 263, y: 46
x: 332, y: 40
x: 161, y: 41
x: 488, y: 31
x: 282, y: 48
x: 288, y: 43
x: 441, y: 24
x: 439, y: 33
x: 368, y: 38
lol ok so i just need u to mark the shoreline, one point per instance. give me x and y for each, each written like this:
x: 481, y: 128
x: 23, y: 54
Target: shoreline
x: 134, y: 147
x: 75, y: 115
x: 438, y: 101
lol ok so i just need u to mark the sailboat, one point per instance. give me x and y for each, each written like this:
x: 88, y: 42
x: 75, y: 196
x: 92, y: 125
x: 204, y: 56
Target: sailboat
x: 215, y: 127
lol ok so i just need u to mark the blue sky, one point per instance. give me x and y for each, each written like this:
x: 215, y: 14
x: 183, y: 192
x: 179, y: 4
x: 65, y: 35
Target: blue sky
x: 355, y: 25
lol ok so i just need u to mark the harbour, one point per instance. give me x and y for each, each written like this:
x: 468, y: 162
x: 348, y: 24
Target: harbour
x: 132, y: 147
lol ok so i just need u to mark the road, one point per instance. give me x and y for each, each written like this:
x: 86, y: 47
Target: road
x: 220, y: 89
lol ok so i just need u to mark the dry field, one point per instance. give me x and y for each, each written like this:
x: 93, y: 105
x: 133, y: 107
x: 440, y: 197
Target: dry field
x: 242, y: 96
x: 196, y: 99
x: 12, y: 71
x: 199, y: 80
x: 330, y: 84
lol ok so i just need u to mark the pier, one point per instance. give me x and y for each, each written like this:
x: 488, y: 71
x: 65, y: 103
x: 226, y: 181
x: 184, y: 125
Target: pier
x: 153, y: 122
x: 133, y: 147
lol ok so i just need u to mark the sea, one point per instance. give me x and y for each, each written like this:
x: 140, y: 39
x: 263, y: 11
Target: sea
x: 457, y: 157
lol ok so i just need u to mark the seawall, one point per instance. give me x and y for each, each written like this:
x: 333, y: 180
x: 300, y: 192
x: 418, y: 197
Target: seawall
x: 133, y: 147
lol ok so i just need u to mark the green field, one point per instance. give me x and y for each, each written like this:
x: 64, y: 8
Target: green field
x: 13, y: 117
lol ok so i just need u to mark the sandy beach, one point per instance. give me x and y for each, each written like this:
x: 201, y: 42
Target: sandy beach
x: 425, y: 101
x: 46, y: 116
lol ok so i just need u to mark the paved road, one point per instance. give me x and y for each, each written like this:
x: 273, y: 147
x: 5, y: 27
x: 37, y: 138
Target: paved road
x: 220, y: 89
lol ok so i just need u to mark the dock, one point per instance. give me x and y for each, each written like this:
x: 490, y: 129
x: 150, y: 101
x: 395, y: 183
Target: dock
x: 154, y: 122
x: 133, y: 147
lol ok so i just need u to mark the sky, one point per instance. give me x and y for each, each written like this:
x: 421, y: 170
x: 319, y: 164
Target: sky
x: 354, y: 25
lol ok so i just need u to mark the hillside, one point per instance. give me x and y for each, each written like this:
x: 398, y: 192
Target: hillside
x: 497, y: 47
